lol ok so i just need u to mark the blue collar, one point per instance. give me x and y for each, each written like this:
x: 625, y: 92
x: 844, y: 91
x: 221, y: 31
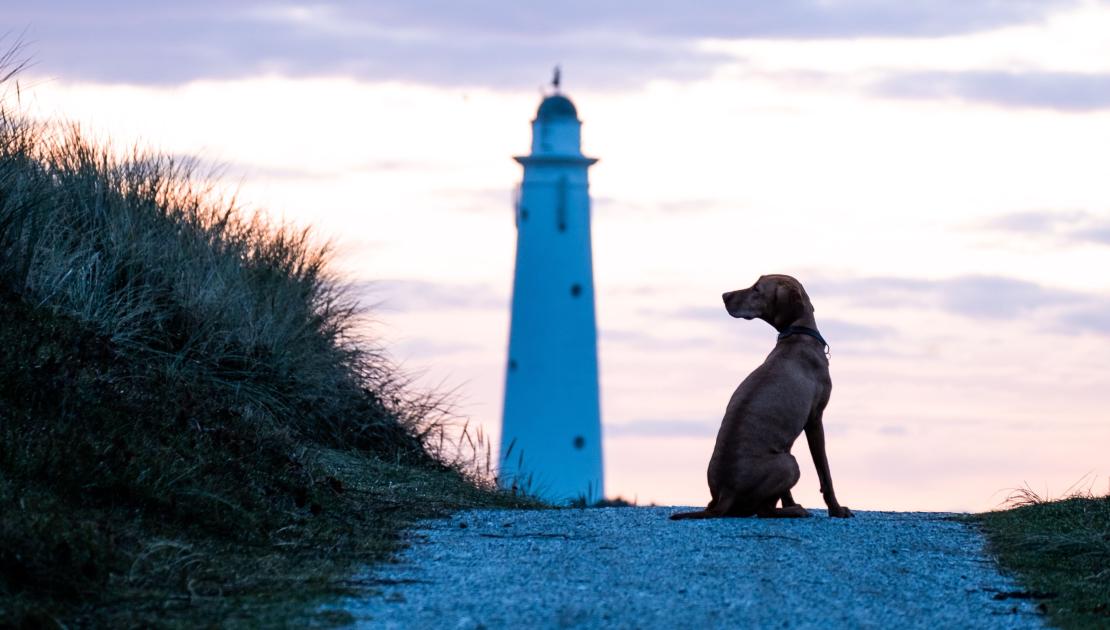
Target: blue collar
x: 803, y: 330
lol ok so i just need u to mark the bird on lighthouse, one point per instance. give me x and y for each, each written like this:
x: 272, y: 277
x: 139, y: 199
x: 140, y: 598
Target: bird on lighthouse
x: 551, y: 423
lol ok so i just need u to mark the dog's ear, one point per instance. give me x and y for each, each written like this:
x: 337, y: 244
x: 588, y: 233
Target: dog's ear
x: 788, y: 302
x: 787, y: 297
x: 793, y: 296
x: 783, y: 301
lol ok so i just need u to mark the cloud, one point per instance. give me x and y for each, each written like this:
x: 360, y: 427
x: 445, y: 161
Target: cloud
x: 994, y: 297
x: 383, y: 41
x: 1093, y: 317
x: 980, y: 297
x: 644, y: 340
x: 485, y: 42
x: 836, y: 331
x: 848, y: 332
x: 708, y: 428
x: 429, y: 349
x: 1060, y: 91
x: 250, y: 170
x: 662, y: 428
x: 420, y: 295
x: 712, y: 18
x: 611, y: 205
x: 483, y: 200
x: 977, y: 297
x: 704, y: 313
x: 1068, y: 227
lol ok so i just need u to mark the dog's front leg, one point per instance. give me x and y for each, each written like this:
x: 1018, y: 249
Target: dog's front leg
x: 815, y: 435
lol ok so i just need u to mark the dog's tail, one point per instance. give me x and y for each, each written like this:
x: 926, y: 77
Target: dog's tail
x: 699, y: 514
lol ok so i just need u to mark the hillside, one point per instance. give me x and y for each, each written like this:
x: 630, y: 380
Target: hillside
x: 191, y: 428
x: 1060, y: 551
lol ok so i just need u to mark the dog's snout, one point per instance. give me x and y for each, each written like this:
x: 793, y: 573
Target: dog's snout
x: 724, y: 296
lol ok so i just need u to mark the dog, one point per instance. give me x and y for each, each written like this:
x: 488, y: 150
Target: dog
x: 752, y: 469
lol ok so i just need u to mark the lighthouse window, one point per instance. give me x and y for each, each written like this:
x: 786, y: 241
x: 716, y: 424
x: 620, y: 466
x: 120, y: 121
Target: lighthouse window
x: 561, y: 205
x: 512, y: 365
x: 579, y: 442
x: 576, y: 290
x: 523, y: 214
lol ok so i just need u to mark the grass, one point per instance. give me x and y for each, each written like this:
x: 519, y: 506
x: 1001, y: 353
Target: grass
x: 192, y: 431
x: 582, y: 503
x: 1059, y: 550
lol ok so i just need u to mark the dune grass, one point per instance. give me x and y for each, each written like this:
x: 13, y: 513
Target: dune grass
x: 1059, y: 550
x: 192, y: 431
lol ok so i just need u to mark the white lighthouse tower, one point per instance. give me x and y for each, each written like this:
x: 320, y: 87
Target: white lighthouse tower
x: 551, y: 428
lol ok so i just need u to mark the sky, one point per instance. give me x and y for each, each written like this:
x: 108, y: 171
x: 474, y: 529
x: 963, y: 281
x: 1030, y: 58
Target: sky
x: 933, y: 171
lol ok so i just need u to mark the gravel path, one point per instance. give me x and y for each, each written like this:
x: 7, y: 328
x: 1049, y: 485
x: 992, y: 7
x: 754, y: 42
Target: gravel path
x: 633, y: 568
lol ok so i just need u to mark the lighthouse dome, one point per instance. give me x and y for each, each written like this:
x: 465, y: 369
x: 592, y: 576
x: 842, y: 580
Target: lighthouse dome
x: 556, y: 130
x: 556, y: 106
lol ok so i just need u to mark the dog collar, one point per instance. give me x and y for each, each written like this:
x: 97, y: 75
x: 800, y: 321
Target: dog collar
x: 803, y: 330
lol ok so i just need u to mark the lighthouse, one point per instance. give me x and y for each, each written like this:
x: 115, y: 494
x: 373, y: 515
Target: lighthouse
x: 551, y: 424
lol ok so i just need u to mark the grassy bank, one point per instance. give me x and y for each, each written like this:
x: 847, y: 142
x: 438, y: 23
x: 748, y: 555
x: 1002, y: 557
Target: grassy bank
x: 191, y: 430
x: 1060, y: 552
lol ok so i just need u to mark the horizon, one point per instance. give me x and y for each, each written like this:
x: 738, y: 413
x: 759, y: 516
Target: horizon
x: 944, y: 206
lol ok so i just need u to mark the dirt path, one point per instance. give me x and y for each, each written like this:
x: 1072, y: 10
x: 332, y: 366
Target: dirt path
x: 633, y: 568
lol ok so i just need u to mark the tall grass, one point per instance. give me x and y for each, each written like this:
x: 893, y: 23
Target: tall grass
x: 1060, y: 550
x: 186, y: 405
x: 145, y: 254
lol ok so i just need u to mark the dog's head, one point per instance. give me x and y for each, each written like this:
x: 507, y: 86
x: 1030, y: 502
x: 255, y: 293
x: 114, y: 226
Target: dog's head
x: 776, y: 299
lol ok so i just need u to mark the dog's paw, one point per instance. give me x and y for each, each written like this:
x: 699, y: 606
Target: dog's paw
x: 840, y: 512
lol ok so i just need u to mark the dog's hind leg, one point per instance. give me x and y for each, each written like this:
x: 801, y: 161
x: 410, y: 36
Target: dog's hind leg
x: 778, y: 474
x: 787, y: 499
x: 793, y: 511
